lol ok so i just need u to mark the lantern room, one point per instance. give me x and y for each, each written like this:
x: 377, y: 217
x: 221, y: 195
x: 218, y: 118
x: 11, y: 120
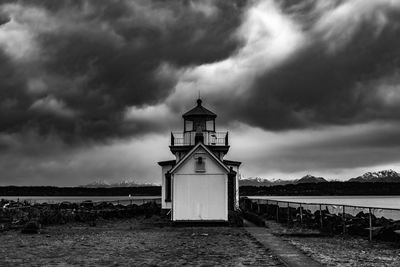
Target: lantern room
x: 199, y: 119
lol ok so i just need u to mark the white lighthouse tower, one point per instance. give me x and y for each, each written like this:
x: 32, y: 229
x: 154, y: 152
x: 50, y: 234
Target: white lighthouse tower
x: 199, y: 184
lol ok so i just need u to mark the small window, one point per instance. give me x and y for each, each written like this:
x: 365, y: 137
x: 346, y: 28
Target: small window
x: 210, y: 126
x: 199, y: 125
x: 188, y: 125
x: 200, y: 164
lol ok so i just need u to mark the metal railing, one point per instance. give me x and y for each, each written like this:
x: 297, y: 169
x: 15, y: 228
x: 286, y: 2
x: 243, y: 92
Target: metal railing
x: 208, y: 138
x: 332, y: 218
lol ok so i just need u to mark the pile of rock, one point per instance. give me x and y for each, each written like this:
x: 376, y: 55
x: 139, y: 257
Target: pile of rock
x: 29, y: 217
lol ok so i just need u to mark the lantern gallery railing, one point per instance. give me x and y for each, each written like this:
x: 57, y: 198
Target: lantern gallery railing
x: 191, y: 138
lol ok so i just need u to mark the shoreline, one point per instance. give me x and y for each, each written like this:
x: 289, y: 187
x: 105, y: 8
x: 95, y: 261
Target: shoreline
x: 30, y: 217
x: 78, y: 199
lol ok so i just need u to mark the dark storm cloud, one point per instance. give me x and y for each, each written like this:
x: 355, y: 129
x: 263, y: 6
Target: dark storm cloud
x: 330, y: 81
x: 339, y: 152
x: 362, y: 145
x: 87, y: 86
x: 12, y: 97
x: 91, y: 61
x: 53, y: 162
x: 84, y: 62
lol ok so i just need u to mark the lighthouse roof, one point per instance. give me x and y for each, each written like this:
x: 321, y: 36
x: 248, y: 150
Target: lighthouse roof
x: 199, y: 111
x: 192, y: 151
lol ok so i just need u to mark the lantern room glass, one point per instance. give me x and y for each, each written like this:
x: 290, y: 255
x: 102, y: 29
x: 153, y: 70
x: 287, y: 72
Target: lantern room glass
x: 199, y: 125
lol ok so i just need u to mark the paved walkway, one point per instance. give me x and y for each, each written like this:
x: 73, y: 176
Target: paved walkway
x: 287, y: 253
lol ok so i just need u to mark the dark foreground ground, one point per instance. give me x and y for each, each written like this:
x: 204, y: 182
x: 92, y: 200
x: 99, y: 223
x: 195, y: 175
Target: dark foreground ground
x: 152, y: 242
x: 339, y: 250
x: 133, y: 242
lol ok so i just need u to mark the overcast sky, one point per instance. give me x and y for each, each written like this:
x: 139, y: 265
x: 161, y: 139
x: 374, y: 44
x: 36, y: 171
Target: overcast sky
x: 90, y: 90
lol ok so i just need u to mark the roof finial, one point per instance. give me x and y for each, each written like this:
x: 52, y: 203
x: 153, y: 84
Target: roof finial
x: 199, y: 100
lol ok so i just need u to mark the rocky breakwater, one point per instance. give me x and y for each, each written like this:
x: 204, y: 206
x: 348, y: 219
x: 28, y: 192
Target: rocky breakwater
x: 328, y: 223
x: 29, y: 218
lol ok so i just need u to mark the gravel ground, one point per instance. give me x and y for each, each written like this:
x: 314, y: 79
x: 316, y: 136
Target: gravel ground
x: 133, y: 243
x: 338, y: 250
x: 349, y: 251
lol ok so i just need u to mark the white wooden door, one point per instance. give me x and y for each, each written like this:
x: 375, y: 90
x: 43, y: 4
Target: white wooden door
x: 200, y: 197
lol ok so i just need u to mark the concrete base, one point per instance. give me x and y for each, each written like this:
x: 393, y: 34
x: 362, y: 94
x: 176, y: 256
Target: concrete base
x: 200, y: 223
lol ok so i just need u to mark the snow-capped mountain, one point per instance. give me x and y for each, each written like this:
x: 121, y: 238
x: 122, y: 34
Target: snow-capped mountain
x: 257, y: 181
x: 310, y: 179
x: 265, y: 182
x: 385, y: 176
x: 97, y: 184
x: 126, y: 183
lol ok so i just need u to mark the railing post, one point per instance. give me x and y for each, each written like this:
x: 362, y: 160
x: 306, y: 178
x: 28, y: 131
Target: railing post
x: 172, y: 139
x: 258, y: 206
x: 226, y: 139
x: 288, y: 213
x: 277, y: 212
x: 344, y: 220
x: 370, y: 225
x: 301, y: 215
x: 320, y: 216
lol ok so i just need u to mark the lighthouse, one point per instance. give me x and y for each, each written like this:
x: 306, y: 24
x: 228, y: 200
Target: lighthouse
x: 199, y: 185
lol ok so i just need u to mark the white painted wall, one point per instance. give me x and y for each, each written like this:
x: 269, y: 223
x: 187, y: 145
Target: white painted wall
x: 200, y: 196
x: 237, y: 191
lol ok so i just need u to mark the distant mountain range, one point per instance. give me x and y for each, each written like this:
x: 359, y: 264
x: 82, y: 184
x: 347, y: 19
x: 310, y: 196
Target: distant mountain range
x: 385, y: 176
x: 265, y: 182
x: 105, y: 184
